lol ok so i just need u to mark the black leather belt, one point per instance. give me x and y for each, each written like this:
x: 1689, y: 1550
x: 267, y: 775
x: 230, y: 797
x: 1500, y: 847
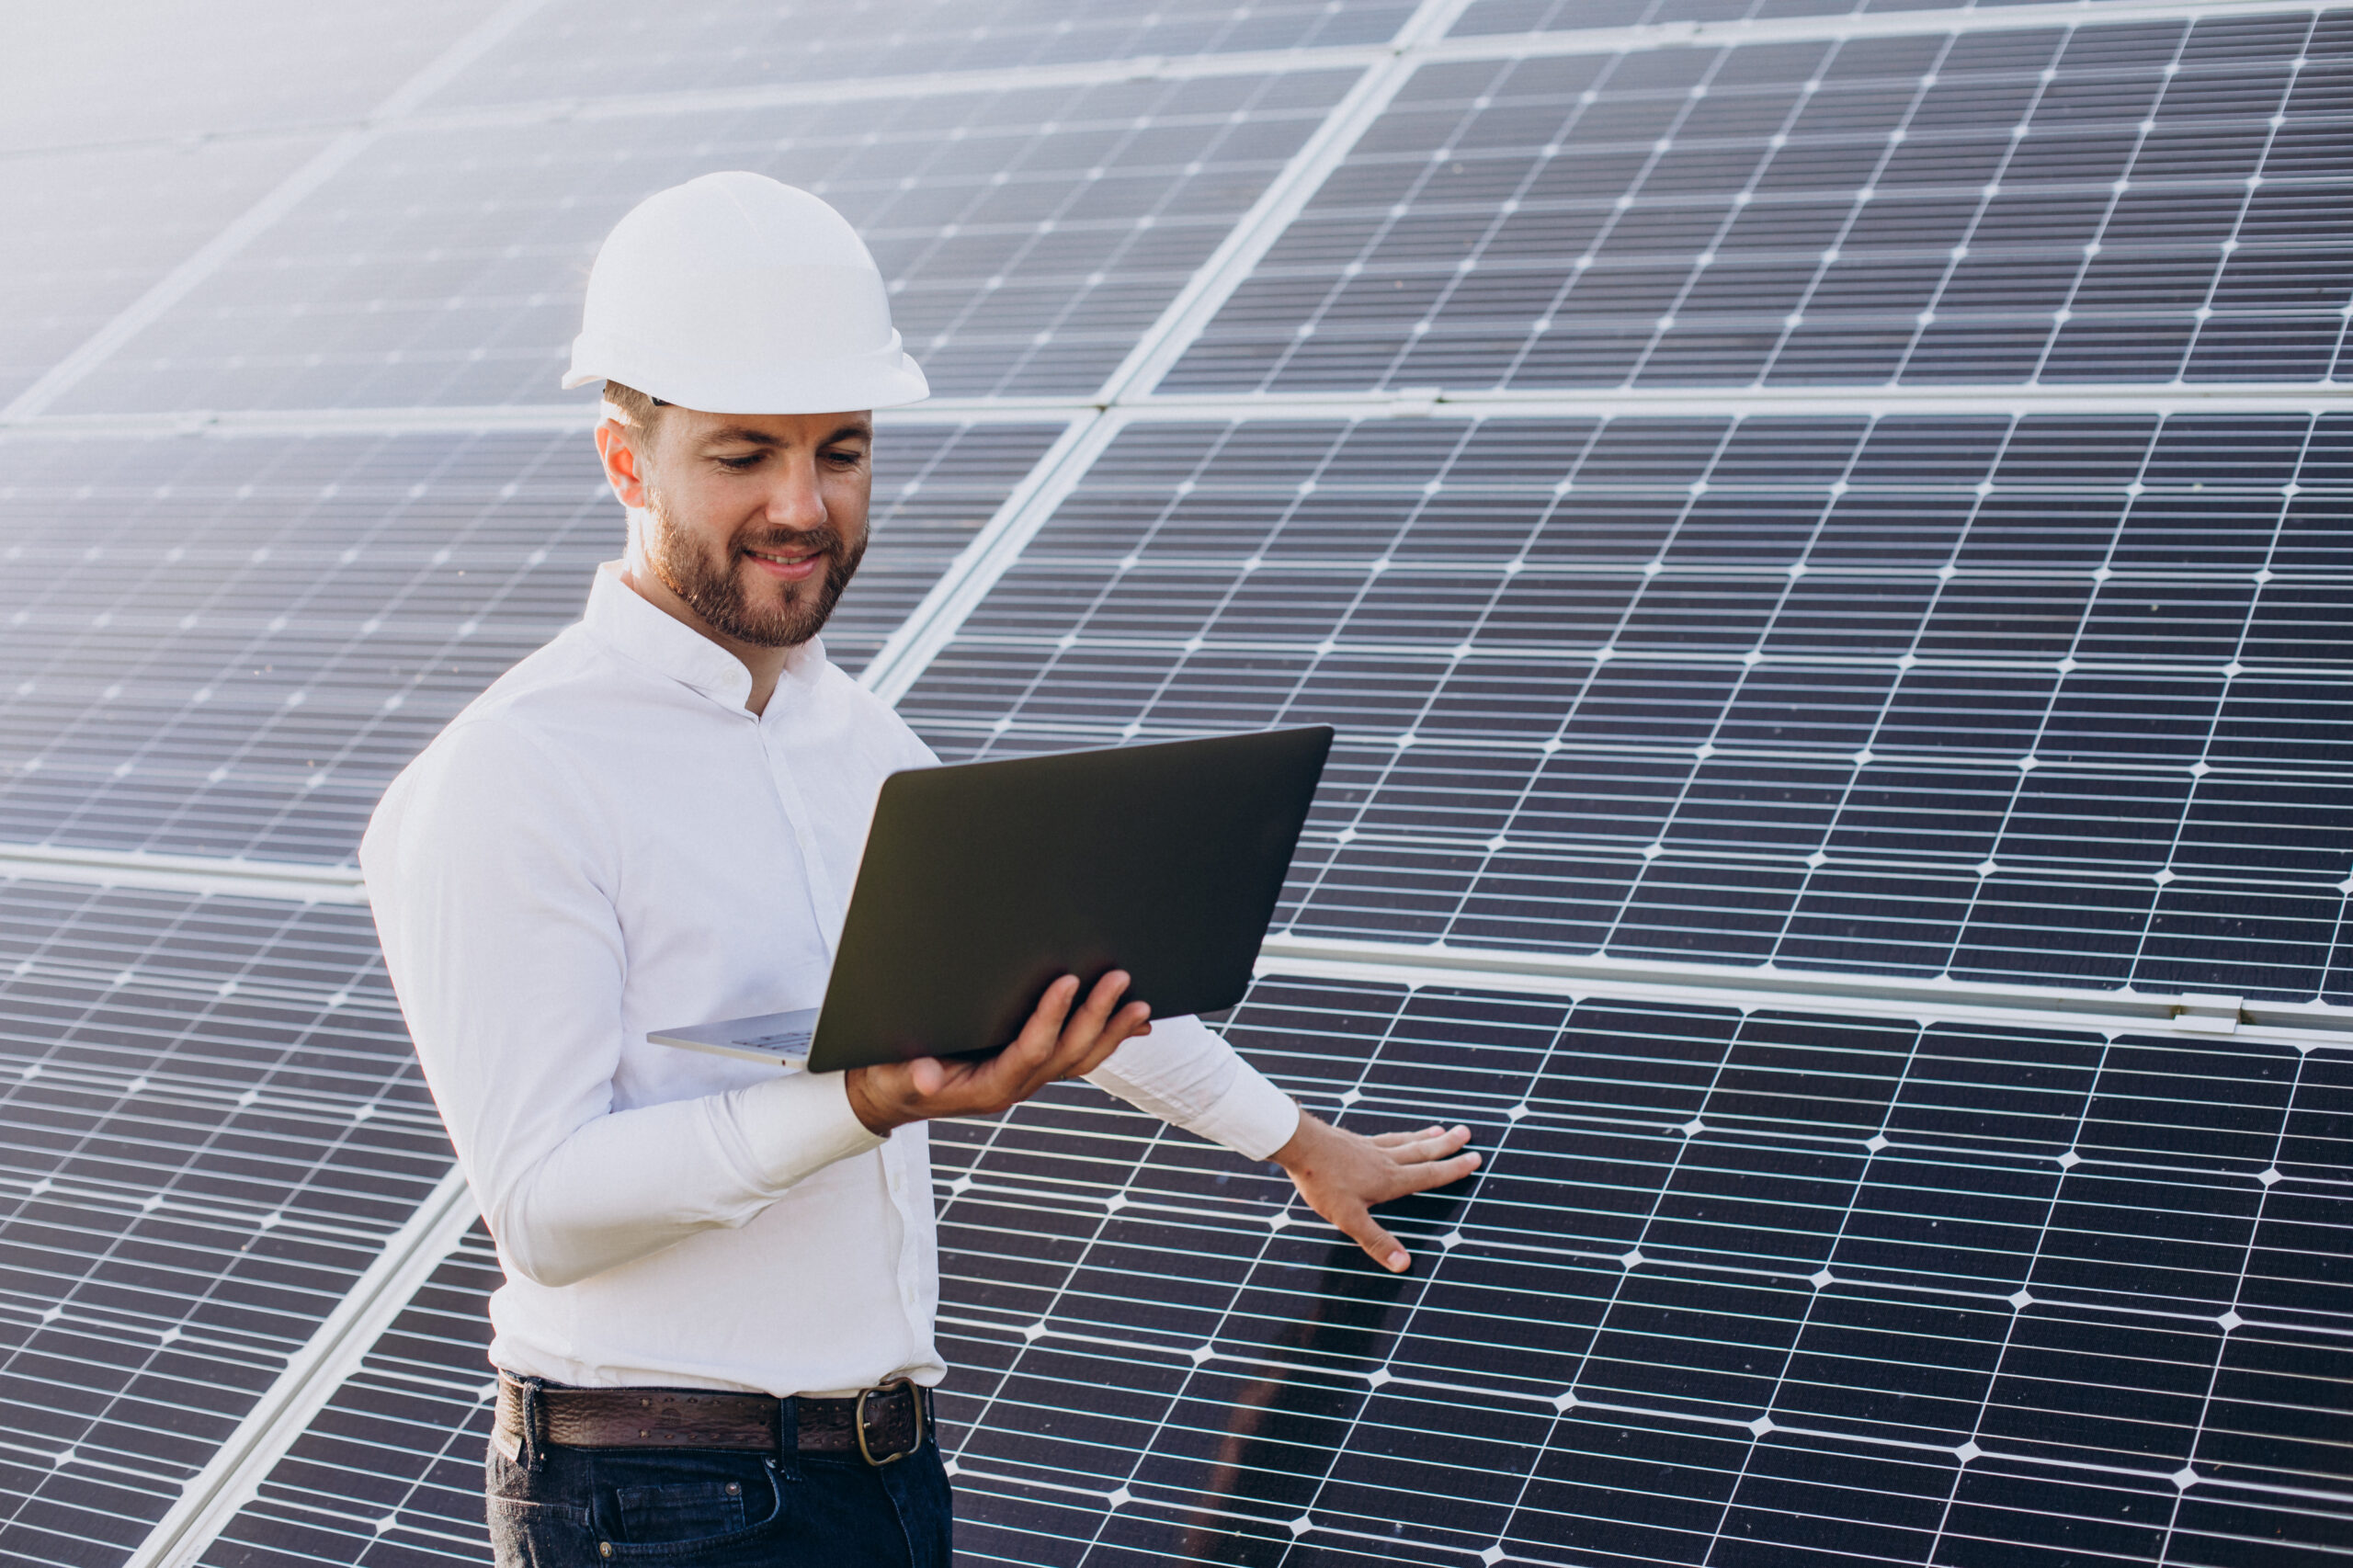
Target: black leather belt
x: 878, y: 1425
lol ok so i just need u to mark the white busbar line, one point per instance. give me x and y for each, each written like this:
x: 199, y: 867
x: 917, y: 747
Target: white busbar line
x: 2304, y: 1024
x: 184, y: 279
x: 312, y: 1376
x: 1925, y: 999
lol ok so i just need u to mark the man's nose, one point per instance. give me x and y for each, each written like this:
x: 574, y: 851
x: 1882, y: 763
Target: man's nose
x: 796, y: 500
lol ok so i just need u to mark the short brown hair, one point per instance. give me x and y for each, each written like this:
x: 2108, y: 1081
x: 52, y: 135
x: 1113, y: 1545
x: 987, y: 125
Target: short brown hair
x: 642, y: 412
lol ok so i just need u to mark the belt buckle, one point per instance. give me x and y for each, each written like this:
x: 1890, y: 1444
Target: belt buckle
x: 915, y: 1406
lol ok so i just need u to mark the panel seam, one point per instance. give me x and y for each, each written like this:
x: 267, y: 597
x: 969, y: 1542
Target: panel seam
x: 256, y: 220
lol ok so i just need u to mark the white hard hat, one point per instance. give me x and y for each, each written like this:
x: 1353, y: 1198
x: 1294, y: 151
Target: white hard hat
x: 735, y: 294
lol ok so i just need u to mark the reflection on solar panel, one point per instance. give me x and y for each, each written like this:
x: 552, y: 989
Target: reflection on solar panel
x: 209, y: 1124
x: 230, y: 647
x: 1029, y: 236
x: 2020, y: 658
x: 2145, y: 203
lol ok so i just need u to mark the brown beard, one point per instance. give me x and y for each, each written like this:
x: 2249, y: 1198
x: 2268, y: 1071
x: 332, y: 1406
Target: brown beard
x: 713, y: 589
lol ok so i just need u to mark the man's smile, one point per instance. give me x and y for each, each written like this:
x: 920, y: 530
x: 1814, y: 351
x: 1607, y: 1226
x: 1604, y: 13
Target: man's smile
x: 787, y: 566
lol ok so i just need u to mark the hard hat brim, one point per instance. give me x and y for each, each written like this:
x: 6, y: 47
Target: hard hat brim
x: 888, y: 377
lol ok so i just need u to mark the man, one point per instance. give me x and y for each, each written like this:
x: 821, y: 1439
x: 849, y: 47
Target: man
x: 715, y: 1337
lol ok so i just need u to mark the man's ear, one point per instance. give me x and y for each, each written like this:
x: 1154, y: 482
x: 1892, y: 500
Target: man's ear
x: 622, y: 468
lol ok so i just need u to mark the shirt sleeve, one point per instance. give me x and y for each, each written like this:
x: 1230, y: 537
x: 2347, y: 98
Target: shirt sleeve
x: 1185, y: 1073
x: 490, y: 874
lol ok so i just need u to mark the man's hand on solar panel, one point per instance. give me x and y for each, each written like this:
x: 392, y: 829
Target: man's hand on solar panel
x: 1056, y: 1043
x: 1342, y: 1175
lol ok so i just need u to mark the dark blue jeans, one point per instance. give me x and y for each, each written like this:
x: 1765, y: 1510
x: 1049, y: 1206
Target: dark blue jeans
x: 713, y: 1509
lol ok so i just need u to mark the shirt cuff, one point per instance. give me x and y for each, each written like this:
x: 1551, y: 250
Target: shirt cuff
x: 1253, y: 1118
x: 795, y: 1126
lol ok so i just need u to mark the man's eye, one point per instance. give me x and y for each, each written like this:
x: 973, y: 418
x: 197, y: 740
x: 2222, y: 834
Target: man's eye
x: 742, y: 464
x: 845, y: 459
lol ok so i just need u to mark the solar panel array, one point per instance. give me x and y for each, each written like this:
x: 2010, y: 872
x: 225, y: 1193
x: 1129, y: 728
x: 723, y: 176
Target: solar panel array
x: 211, y: 1123
x: 1999, y: 698
x: 2148, y: 203
x: 1802, y: 488
x: 229, y: 648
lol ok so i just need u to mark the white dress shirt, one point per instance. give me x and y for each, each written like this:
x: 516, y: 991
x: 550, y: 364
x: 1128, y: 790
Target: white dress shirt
x: 608, y: 842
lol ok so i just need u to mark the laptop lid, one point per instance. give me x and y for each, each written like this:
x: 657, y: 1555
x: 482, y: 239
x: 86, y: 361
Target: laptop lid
x: 982, y: 883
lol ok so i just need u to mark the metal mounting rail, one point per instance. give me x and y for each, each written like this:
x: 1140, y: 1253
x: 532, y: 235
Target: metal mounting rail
x: 202, y: 875
x: 2307, y: 1025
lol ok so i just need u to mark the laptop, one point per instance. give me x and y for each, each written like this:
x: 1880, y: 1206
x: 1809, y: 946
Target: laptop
x: 984, y: 882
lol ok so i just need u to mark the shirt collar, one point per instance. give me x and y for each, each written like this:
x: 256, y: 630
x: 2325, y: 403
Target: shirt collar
x: 623, y: 620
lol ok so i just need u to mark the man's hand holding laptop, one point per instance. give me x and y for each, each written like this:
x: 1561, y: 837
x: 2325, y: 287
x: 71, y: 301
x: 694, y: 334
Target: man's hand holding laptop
x: 1339, y: 1174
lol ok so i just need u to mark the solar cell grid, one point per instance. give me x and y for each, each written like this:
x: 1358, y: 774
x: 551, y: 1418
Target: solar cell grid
x: 611, y: 48
x: 2152, y: 202
x: 84, y: 233
x: 87, y: 78
x: 1031, y: 236
x: 210, y: 1125
x: 1950, y: 1294
x: 391, y: 1471
x: 2002, y: 697
x: 230, y: 647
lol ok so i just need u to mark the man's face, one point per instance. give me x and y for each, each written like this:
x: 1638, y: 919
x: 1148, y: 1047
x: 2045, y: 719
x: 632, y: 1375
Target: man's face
x: 757, y: 521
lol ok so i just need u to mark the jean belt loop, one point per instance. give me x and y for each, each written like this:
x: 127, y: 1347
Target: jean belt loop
x: 787, y: 1437
x: 534, y: 1445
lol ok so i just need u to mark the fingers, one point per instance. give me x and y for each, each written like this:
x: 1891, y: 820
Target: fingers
x: 1391, y: 1140
x: 1081, y: 1033
x: 1431, y: 1143
x: 1379, y: 1244
x: 1436, y: 1173
x: 1134, y: 1019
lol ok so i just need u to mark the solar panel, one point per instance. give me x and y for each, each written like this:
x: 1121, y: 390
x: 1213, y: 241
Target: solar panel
x: 211, y: 1123
x: 230, y: 646
x: 611, y: 49
x: 86, y: 232
x: 393, y: 1466
x: 78, y: 79
x: 1732, y: 1288
x: 1995, y: 685
x: 1997, y: 697
x: 1031, y: 235
x: 2152, y: 202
